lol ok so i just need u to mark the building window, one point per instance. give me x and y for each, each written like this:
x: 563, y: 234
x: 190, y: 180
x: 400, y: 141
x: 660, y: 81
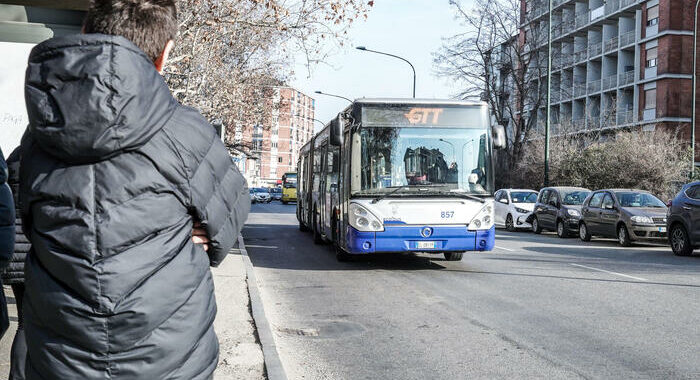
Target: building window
x: 652, y: 54
x: 279, y: 159
x: 653, y: 16
x: 650, y: 99
x: 274, y: 145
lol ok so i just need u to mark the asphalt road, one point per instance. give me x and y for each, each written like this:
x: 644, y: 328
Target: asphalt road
x: 535, y: 307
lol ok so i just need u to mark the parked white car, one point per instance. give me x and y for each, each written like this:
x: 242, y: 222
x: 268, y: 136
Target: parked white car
x: 512, y: 207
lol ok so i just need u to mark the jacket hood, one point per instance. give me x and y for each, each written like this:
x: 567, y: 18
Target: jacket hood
x: 92, y: 96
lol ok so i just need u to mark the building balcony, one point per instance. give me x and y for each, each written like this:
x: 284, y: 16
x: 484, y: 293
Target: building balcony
x: 595, y: 49
x: 579, y: 124
x: 610, y: 120
x: 612, y: 6
x: 582, y: 20
x: 593, y: 86
x: 611, y: 44
x: 626, y: 78
x: 625, y: 117
x: 580, y: 56
x: 627, y: 38
x: 554, y: 96
x: 565, y: 94
x: 579, y: 89
x: 593, y: 122
x: 567, y: 60
x: 610, y: 82
x: 626, y: 3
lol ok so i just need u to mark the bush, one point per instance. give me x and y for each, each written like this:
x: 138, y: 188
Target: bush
x: 656, y: 161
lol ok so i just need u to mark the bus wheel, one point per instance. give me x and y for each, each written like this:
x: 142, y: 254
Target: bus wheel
x: 453, y: 256
x: 302, y: 227
x: 318, y: 239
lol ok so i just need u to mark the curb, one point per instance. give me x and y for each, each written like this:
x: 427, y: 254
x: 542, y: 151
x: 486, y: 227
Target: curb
x: 273, y: 364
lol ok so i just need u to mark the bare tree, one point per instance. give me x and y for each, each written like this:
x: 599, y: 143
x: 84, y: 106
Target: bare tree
x: 231, y: 55
x: 501, y: 58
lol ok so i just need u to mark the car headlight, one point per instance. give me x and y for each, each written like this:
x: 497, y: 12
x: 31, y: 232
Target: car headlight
x: 521, y: 210
x: 573, y: 213
x: 642, y: 219
x: 363, y: 220
x: 483, y: 220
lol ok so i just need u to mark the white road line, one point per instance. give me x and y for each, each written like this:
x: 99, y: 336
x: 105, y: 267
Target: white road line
x: 609, y: 272
x: 506, y: 249
x: 261, y: 246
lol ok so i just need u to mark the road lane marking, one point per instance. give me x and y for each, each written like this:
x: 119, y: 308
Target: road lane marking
x: 261, y: 246
x: 609, y: 272
x: 506, y: 249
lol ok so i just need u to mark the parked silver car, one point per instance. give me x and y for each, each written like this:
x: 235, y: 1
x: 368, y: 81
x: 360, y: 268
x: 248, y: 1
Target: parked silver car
x: 262, y: 195
x: 626, y: 214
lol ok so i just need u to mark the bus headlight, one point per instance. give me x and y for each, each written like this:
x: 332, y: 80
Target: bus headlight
x: 363, y: 220
x: 483, y: 220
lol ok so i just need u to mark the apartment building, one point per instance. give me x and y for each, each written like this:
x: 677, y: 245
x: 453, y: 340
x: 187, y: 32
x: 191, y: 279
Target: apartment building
x: 615, y: 63
x: 274, y: 148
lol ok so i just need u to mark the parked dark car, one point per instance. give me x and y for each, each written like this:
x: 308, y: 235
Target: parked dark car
x: 558, y: 209
x: 626, y: 214
x: 683, y: 220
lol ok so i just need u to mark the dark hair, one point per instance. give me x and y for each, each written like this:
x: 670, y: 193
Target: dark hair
x: 149, y: 24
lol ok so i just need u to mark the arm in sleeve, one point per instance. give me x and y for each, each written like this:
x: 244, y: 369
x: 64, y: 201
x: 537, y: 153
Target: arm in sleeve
x: 220, y: 200
x: 7, y: 218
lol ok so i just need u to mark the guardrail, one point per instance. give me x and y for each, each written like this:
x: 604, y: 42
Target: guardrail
x: 579, y: 89
x: 627, y: 38
x: 626, y: 78
x: 609, y: 82
x: 611, y: 44
x: 593, y: 86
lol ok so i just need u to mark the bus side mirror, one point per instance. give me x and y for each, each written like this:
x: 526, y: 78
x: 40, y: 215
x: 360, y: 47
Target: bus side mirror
x: 336, y: 131
x: 499, y: 136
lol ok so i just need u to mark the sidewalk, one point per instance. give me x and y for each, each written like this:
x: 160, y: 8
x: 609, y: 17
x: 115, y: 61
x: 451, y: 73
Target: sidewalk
x: 240, y: 355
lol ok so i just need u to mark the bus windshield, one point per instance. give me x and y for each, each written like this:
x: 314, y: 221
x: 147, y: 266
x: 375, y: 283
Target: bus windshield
x: 448, y: 159
x: 289, y: 181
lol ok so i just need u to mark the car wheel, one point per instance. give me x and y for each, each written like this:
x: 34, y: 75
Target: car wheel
x: 561, y: 230
x: 680, y: 244
x: 509, y: 223
x: 453, y: 256
x: 583, y: 232
x: 536, y: 226
x: 318, y: 239
x: 623, y: 236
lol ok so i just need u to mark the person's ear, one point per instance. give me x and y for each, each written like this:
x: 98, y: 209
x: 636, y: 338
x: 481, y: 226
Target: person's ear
x: 163, y: 58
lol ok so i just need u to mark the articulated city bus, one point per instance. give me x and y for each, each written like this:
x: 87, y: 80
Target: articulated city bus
x: 289, y: 187
x: 398, y: 175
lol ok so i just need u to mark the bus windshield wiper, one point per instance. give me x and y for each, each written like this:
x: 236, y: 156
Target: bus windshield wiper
x: 462, y: 195
x: 397, y: 188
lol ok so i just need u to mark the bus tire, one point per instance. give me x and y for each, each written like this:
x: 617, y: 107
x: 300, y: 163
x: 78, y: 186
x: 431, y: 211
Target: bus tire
x: 453, y: 256
x: 318, y: 239
x: 302, y: 227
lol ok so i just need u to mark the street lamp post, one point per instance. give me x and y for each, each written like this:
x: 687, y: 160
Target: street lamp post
x: 335, y: 96
x: 695, y: 79
x: 549, y: 95
x: 394, y: 56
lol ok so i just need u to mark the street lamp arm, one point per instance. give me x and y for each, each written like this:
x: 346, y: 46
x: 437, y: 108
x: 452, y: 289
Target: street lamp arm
x: 394, y: 56
x: 335, y: 96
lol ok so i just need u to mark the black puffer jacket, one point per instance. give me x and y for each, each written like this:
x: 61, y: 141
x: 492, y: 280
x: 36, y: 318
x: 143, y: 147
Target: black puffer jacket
x: 7, y: 217
x: 114, y: 171
x: 14, y: 273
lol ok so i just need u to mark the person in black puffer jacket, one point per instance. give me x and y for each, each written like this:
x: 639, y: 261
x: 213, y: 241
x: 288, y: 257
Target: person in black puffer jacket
x: 7, y: 237
x: 115, y: 174
x: 14, y: 273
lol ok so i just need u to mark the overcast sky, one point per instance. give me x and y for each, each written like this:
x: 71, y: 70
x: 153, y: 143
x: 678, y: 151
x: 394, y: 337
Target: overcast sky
x: 412, y: 29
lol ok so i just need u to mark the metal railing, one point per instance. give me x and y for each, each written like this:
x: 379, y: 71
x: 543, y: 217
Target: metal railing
x: 610, y: 82
x: 626, y: 78
x: 612, y: 6
x: 567, y: 60
x: 579, y: 89
x: 627, y: 38
x: 593, y: 86
x: 626, y: 3
x: 582, y: 20
x: 580, y: 56
x: 625, y: 117
x: 611, y: 44
x: 565, y: 94
x: 595, y: 49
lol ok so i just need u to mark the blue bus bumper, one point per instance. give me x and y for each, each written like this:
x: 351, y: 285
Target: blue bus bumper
x: 405, y: 239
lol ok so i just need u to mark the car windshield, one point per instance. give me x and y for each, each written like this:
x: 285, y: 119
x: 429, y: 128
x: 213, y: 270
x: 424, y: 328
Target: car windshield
x: 637, y: 199
x: 523, y: 196
x: 261, y: 190
x: 574, y: 197
x: 276, y: 190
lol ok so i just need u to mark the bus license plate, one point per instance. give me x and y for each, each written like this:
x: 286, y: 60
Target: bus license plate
x: 662, y: 229
x: 426, y: 244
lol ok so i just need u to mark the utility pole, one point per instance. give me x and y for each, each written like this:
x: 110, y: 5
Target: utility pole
x: 549, y: 95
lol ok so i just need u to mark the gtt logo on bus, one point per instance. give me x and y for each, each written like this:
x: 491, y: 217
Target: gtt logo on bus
x: 421, y: 115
